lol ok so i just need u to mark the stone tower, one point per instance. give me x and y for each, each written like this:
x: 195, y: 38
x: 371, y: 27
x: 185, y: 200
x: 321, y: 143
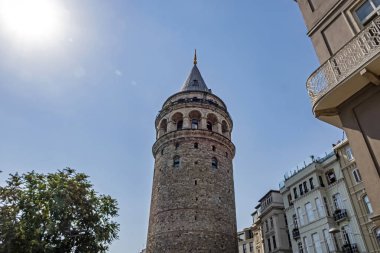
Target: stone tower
x: 193, y: 203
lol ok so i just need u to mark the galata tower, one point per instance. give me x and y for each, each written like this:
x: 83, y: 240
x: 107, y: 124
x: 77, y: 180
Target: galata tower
x: 193, y: 202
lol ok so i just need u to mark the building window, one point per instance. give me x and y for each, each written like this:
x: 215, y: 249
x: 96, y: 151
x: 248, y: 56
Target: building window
x: 274, y: 242
x: 286, y: 220
x: 321, y: 181
x: 305, y: 187
x: 327, y: 238
x: 177, y: 145
x: 317, y: 243
x: 300, y: 215
x: 213, y: 148
x: 269, y: 246
x: 251, y: 246
x: 176, y: 161
x: 346, y: 235
x: 377, y: 233
x: 356, y: 174
x: 214, y: 163
x: 309, y: 212
x: 301, y: 189
x: 295, y: 193
x: 179, y: 124
x: 300, y: 248
x: 266, y: 226
x: 244, y: 248
x: 224, y: 127
x: 196, y: 145
x: 367, y: 11
x: 326, y: 206
x: 290, y: 199
x: 209, y: 126
x: 367, y: 204
x: 337, y: 199
x: 348, y: 150
x: 295, y: 221
x: 271, y: 222
x: 311, y: 183
x: 194, y: 124
x: 330, y: 176
x: 306, y: 244
x: 321, y: 211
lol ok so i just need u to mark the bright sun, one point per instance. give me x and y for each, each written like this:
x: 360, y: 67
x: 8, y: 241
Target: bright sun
x: 31, y: 20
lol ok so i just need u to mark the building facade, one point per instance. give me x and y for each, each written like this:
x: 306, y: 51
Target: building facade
x: 319, y: 209
x: 193, y: 204
x: 275, y: 235
x: 258, y: 241
x: 245, y: 241
x: 359, y: 197
x: 345, y: 89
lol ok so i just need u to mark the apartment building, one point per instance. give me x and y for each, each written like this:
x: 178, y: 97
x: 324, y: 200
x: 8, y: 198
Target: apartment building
x: 245, y: 241
x: 345, y: 88
x: 273, y: 223
x: 319, y: 210
x: 358, y: 194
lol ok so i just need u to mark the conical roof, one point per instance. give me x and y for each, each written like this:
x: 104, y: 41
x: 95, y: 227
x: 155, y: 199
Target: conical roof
x: 194, y: 81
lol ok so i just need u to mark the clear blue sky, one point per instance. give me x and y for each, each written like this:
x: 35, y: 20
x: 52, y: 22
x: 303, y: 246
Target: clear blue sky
x: 89, y: 101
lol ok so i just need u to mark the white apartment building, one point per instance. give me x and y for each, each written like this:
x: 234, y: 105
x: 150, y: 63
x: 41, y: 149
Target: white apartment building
x: 319, y: 210
x: 245, y: 241
x: 273, y: 223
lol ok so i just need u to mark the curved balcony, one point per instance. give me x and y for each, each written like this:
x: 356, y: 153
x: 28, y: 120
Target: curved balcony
x: 346, y: 72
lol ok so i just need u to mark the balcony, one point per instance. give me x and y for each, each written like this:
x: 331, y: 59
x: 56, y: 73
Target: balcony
x: 343, y: 74
x: 350, y: 248
x: 296, y: 233
x: 340, y: 215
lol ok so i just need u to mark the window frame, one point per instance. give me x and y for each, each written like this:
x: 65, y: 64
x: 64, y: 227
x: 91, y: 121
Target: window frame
x: 375, y: 12
x: 357, y: 177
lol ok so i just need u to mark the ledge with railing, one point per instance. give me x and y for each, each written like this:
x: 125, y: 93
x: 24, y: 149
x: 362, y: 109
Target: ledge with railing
x: 340, y: 215
x: 359, y: 50
x: 350, y: 248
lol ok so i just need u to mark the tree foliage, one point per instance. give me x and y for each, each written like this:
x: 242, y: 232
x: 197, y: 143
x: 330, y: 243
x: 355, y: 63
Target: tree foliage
x: 57, y: 212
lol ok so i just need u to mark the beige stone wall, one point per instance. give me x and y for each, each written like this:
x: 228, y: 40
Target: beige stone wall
x: 330, y: 24
x: 357, y: 192
x: 193, y: 205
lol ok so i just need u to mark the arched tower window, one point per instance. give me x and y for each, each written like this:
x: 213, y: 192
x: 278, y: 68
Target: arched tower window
x: 194, y: 124
x: 212, y: 120
x: 164, y: 126
x: 214, y: 163
x: 224, y: 127
x: 195, y: 117
x: 177, y: 118
x: 176, y: 161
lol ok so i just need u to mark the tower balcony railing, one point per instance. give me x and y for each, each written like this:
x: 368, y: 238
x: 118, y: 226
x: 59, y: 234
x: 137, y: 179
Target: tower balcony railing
x: 354, y: 55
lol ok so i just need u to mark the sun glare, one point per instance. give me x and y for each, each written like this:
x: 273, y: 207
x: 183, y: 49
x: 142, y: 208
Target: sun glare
x: 31, y: 20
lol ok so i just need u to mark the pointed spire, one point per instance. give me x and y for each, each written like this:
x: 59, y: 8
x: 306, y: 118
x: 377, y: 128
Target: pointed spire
x: 195, y: 81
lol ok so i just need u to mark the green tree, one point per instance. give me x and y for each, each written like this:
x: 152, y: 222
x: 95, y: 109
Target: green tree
x: 57, y: 212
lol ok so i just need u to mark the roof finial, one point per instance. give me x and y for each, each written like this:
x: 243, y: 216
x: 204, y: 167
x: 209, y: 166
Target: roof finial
x: 195, y: 57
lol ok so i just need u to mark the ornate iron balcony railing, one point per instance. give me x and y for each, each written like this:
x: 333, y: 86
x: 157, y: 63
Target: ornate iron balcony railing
x: 296, y: 233
x: 340, y: 215
x: 359, y: 50
x: 350, y: 248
